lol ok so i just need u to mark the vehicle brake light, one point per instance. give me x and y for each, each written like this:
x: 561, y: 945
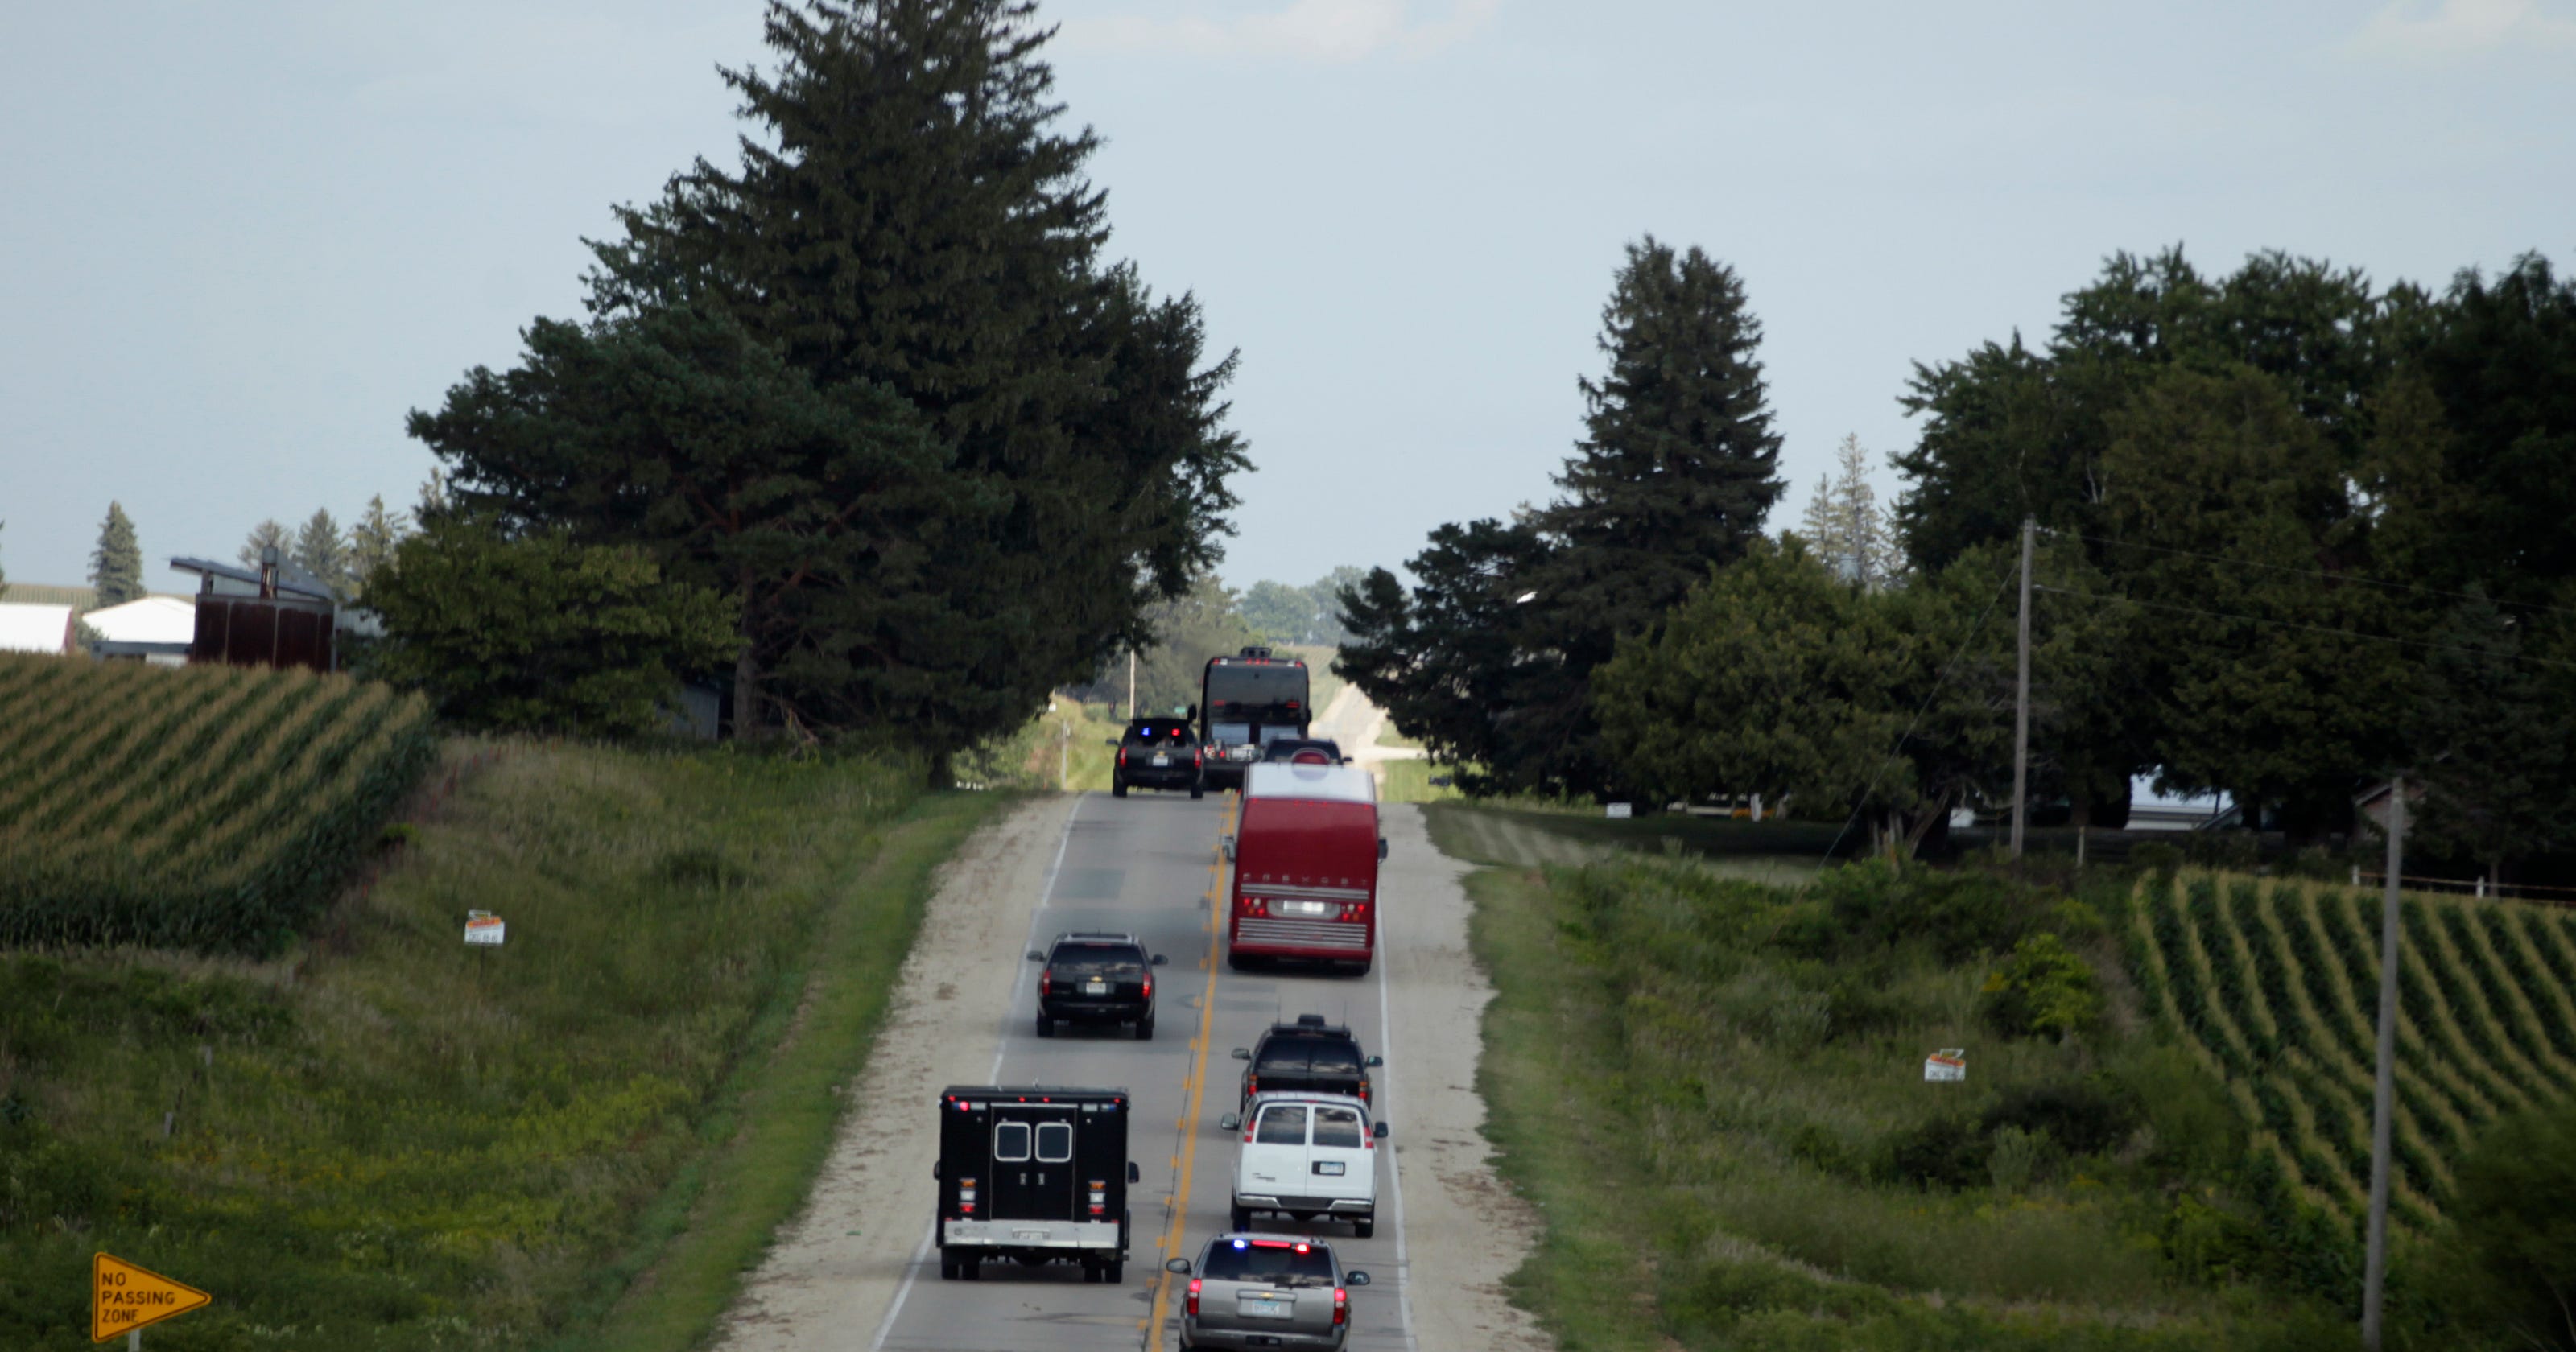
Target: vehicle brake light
x: 1149, y: 988
x: 1341, y: 1306
x: 966, y: 1196
x: 1122, y: 755
x: 1046, y: 983
x: 1099, y: 1197
x: 1193, y: 1303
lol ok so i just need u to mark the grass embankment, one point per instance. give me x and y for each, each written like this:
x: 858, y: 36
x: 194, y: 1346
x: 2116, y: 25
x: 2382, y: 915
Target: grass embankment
x: 387, y: 1140
x: 1712, y: 1088
x: 207, y: 808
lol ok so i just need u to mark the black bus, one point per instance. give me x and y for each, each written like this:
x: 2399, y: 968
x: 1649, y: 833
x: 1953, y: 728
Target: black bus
x: 1245, y: 701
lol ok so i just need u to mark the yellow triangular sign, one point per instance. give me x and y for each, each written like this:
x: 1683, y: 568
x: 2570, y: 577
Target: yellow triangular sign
x: 123, y: 1297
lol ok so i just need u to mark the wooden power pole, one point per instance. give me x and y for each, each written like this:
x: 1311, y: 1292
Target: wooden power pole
x: 2021, y: 696
x: 2374, y: 1270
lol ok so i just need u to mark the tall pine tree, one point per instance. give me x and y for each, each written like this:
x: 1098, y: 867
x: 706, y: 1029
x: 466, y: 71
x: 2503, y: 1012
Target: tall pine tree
x: 267, y: 535
x: 1847, y: 528
x: 373, y: 540
x: 322, y: 551
x: 1674, y: 476
x: 910, y: 219
x: 116, y: 566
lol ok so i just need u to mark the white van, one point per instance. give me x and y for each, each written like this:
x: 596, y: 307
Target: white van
x: 1306, y: 1155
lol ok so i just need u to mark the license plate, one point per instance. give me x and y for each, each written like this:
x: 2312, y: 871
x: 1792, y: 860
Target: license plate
x: 1160, y: 761
x: 1329, y: 1168
x: 1313, y: 908
x: 1265, y: 1307
x: 1095, y: 987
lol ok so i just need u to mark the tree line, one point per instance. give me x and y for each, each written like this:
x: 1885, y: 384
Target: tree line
x: 870, y: 419
x: 2295, y: 531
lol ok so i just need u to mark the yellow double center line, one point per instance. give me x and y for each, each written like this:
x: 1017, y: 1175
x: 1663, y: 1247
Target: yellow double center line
x: 1194, y: 1084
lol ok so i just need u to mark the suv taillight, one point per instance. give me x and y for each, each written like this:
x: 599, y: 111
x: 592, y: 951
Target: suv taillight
x: 1046, y: 982
x: 1122, y: 755
x: 1149, y: 987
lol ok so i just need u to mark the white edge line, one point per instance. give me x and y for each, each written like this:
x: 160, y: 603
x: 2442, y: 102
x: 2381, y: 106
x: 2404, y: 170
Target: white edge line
x: 1394, y: 1176
x: 1001, y: 1044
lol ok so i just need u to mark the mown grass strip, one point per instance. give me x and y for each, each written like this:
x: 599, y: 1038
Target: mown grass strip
x: 773, y: 1120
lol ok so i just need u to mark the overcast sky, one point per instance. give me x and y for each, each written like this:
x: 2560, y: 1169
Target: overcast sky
x: 239, y: 241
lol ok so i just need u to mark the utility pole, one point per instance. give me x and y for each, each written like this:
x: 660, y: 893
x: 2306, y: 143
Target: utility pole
x: 2374, y: 1271
x: 2021, y: 695
x: 1131, y: 685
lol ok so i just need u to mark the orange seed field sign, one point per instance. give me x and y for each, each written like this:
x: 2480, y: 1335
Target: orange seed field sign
x: 123, y: 1297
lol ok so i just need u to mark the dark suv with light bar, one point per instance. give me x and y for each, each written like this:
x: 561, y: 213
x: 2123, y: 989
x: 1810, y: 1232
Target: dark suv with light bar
x: 1157, y: 753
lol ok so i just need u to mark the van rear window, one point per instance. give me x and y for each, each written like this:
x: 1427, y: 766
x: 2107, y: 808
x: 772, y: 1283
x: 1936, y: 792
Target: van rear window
x: 1337, y: 1126
x: 1238, y: 1260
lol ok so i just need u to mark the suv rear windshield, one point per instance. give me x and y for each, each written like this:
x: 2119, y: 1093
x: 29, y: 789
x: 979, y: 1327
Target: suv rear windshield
x: 1160, y: 734
x: 1095, y: 959
x: 1281, y: 1264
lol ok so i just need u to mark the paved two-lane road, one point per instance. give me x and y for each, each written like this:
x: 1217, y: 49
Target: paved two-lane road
x: 1150, y: 864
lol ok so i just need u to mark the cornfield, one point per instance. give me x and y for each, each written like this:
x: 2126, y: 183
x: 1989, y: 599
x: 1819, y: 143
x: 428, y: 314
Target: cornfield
x: 209, y: 808
x: 2275, y: 984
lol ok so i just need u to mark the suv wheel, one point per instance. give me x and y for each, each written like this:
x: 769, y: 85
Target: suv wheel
x: 1117, y: 787
x: 1046, y: 1026
x: 1145, y: 1029
x: 1198, y: 790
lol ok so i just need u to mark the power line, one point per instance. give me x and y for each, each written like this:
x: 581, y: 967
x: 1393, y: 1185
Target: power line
x: 1897, y: 751
x: 2309, y: 628
x: 2362, y: 578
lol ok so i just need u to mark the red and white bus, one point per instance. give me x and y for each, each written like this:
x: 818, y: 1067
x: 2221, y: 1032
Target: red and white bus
x: 1305, y: 866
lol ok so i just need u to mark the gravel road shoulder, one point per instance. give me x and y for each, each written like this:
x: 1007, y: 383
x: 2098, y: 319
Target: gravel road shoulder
x: 829, y: 1280
x: 1464, y: 1231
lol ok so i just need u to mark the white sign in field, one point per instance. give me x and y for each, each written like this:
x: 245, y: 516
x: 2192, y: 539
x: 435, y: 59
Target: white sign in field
x: 1949, y: 1063
x: 1618, y: 811
x: 483, y: 927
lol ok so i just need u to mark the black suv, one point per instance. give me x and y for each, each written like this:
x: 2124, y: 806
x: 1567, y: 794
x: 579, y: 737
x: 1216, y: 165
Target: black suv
x: 1304, y: 750
x: 1096, y: 978
x: 1157, y: 753
x: 1309, y: 1055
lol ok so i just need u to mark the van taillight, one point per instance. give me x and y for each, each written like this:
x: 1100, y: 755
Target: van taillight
x: 1193, y: 1302
x: 966, y: 1196
x: 1099, y: 1197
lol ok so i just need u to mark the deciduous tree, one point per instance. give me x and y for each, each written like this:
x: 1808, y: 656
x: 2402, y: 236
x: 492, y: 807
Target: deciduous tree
x: 541, y: 633
x: 267, y: 535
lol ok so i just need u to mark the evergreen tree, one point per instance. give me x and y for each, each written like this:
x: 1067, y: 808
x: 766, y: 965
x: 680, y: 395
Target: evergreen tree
x: 817, y: 513
x: 909, y: 221
x: 322, y: 551
x: 1452, y: 662
x: 116, y: 566
x: 267, y: 535
x: 1847, y: 528
x: 1674, y: 477
x: 373, y: 540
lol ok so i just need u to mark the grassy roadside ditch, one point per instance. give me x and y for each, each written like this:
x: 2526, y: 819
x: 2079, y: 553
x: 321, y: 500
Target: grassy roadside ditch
x: 1711, y: 1088
x: 385, y: 1140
